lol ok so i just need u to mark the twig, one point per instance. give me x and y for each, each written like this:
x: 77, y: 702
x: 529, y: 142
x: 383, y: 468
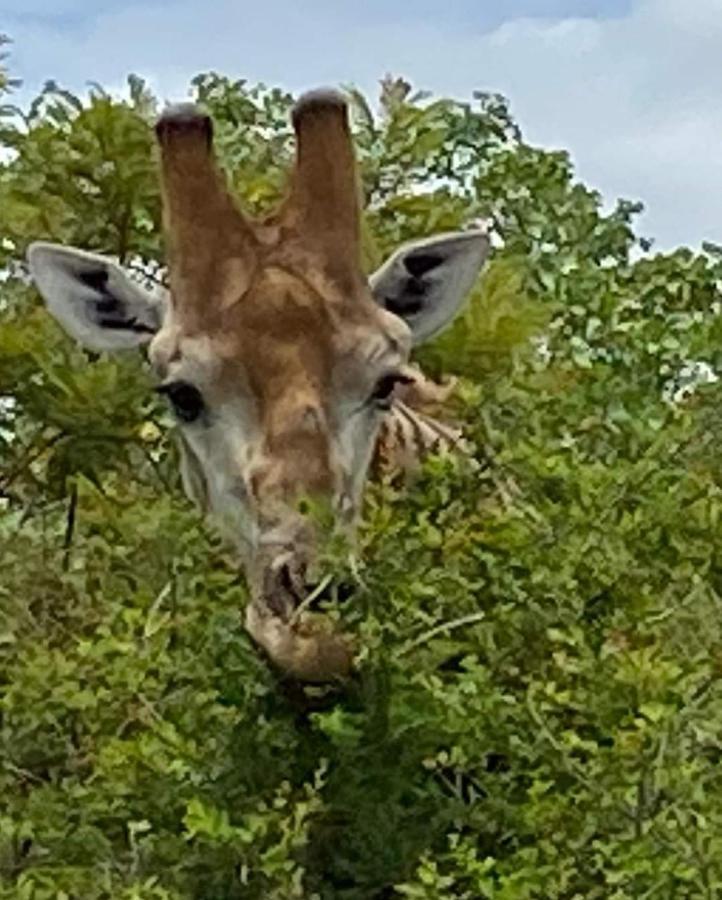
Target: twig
x: 317, y: 591
x: 70, y: 526
x: 29, y: 458
x: 150, y: 276
x: 568, y: 762
x: 444, y: 628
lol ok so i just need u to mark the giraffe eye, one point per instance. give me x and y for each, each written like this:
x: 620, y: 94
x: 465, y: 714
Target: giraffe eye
x: 186, y: 400
x: 384, y: 391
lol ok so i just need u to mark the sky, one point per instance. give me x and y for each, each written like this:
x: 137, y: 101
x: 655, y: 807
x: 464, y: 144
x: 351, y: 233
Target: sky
x: 631, y: 88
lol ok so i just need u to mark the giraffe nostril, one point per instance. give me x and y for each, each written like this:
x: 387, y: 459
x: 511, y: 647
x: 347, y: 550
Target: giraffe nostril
x: 286, y: 579
x: 281, y: 589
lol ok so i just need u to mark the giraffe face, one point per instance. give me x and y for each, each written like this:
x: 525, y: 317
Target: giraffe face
x: 280, y: 402
x: 276, y: 353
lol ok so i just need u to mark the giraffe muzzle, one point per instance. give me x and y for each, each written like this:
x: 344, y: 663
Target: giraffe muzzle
x: 282, y: 619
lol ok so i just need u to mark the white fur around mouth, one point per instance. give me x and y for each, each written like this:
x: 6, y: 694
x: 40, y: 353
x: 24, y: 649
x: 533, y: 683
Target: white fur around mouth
x: 306, y: 647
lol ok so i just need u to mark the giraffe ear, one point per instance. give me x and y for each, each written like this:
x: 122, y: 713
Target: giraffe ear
x: 94, y: 300
x: 425, y: 282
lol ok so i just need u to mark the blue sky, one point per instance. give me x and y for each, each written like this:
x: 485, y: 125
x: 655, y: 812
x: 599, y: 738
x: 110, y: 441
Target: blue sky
x: 631, y: 88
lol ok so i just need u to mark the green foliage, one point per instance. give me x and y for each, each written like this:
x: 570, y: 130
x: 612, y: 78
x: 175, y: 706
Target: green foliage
x: 538, y: 711
x: 6, y: 82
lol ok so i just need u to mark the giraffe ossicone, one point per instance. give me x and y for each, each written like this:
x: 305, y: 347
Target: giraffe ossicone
x: 281, y: 359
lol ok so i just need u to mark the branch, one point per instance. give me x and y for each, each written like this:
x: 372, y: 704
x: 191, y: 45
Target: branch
x: 29, y: 458
x: 70, y: 526
x: 444, y: 628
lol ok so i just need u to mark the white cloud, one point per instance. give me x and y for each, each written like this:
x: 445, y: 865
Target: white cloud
x: 51, y: 10
x: 634, y: 98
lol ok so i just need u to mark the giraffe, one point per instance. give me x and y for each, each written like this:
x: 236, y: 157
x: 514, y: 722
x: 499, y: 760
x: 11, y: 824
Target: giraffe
x: 281, y: 361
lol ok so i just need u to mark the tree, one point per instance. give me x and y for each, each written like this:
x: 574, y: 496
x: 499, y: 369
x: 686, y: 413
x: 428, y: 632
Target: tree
x: 538, y: 709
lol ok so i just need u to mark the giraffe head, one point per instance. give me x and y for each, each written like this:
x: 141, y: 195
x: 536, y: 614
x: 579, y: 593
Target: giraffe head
x: 278, y: 356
